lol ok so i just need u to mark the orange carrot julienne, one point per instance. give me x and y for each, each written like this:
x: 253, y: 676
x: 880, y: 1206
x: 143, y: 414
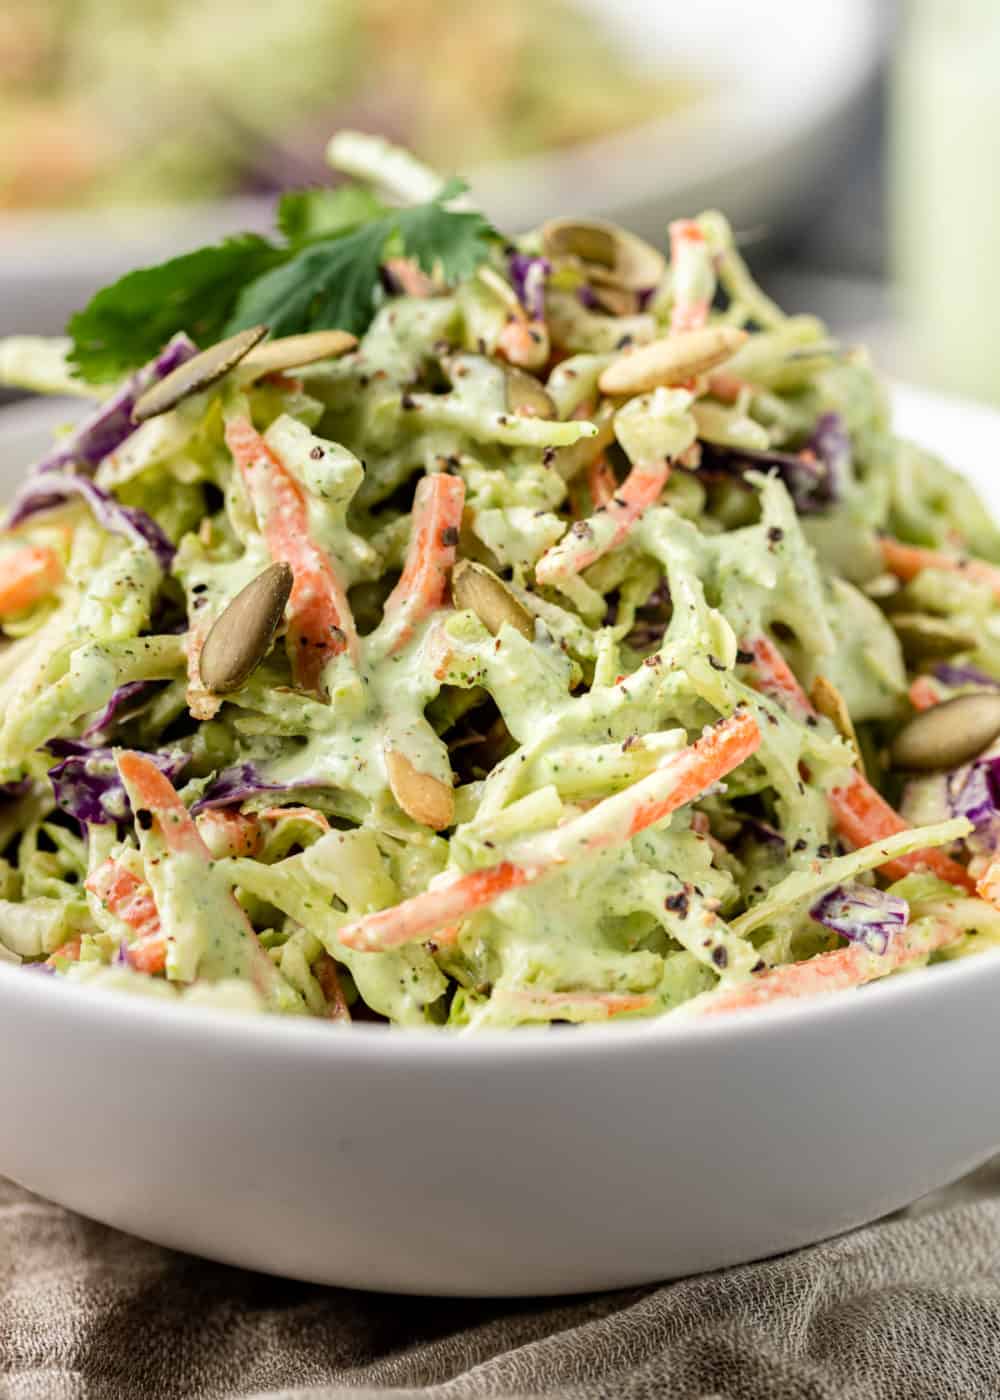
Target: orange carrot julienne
x: 924, y: 693
x: 579, y: 549
x: 229, y: 833
x: 861, y: 815
x: 435, y: 907
x: 724, y: 386
x: 776, y: 679
x: 423, y: 585
x: 151, y: 791
x: 829, y: 972
x: 524, y: 343
x: 988, y: 884
x: 687, y: 256
x: 69, y: 951
x: 601, y: 481
x: 26, y: 575
x: 155, y: 793
x: 320, y: 623
x: 678, y: 779
x: 906, y: 561
x: 605, y: 1003
x: 127, y: 897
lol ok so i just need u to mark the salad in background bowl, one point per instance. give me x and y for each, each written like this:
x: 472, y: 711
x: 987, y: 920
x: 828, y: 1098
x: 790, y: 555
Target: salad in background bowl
x: 768, y: 96
x: 458, y: 582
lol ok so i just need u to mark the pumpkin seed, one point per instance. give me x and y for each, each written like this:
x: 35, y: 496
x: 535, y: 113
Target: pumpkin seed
x: 476, y: 587
x: 423, y: 797
x: 671, y: 360
x: 196, y: 374
x: 923, y: 637
x: 627, y: 261
x: 294, y: 351
x: 948, y: 734
x: 828, y: 700
x: 241, y: 636
x: 526, y: 396
x: 615, y: 300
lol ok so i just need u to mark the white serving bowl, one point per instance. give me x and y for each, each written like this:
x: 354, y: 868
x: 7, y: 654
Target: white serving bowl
x: 781, y: 83
x: 529, y: 1162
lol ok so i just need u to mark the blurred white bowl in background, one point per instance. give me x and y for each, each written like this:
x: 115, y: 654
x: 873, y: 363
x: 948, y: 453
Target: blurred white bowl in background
x: 782, y: 81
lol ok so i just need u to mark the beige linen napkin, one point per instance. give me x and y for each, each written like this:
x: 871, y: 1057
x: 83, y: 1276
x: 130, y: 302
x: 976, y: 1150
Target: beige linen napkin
x: 908, y: 1309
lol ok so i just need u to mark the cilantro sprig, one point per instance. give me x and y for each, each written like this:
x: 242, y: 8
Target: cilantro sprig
x: 324, y: 274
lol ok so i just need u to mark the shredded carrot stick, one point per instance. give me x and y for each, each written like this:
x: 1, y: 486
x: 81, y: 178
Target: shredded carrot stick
x: 131, y: 900
x: 68, y: 952
x: 26, y: 575
x: 155, y: 794
x: 679, y: 779
x: 726, y: 387
x: 148, y: 955
x: 863, y: 816
x: 852, y: 966
x: 320, y: 623
x: 906, y: 561
x: 229, y: 833
x: 605, y: 1004
x: 524, y: 343
x: 151, y: 791
x: 601, y: 482
x: 776, y: 679
x: 860, y: 813
x: 924, y: 694
x: 423, y: 585
x: 592, y: 539
x: 126, y: 896
x: 690, y: 264
x: 988, y: 884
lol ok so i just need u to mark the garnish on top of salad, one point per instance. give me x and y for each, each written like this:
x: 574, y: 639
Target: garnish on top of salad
x: 480, y: 632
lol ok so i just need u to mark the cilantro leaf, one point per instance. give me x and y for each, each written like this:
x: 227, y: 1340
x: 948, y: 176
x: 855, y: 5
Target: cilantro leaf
x: 439, y: 237
x: 334, y: 283
x: 304, y: 215
x: 128, y: 322
x: 326, y: 276
x: 328, y: 285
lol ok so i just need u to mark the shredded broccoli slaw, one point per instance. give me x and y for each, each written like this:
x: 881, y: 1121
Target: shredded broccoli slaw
x: 607, y: 604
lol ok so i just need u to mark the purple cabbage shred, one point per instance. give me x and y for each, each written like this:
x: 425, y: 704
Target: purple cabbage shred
x: 815, y: 480
x: 236, y: 784
x: 41, y: 493
x: 974, y: 792
x: 88, y: 786
x: 948, y: 674
x: 529, y: 275
x: 120, y: 699
x: 862, y: 914
x: 111, y: 422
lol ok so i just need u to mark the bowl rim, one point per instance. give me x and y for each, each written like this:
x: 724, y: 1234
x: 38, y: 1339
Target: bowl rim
x: 226, y: 1030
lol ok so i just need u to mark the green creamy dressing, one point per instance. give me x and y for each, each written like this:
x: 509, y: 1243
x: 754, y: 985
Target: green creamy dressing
x: 590, y: 707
